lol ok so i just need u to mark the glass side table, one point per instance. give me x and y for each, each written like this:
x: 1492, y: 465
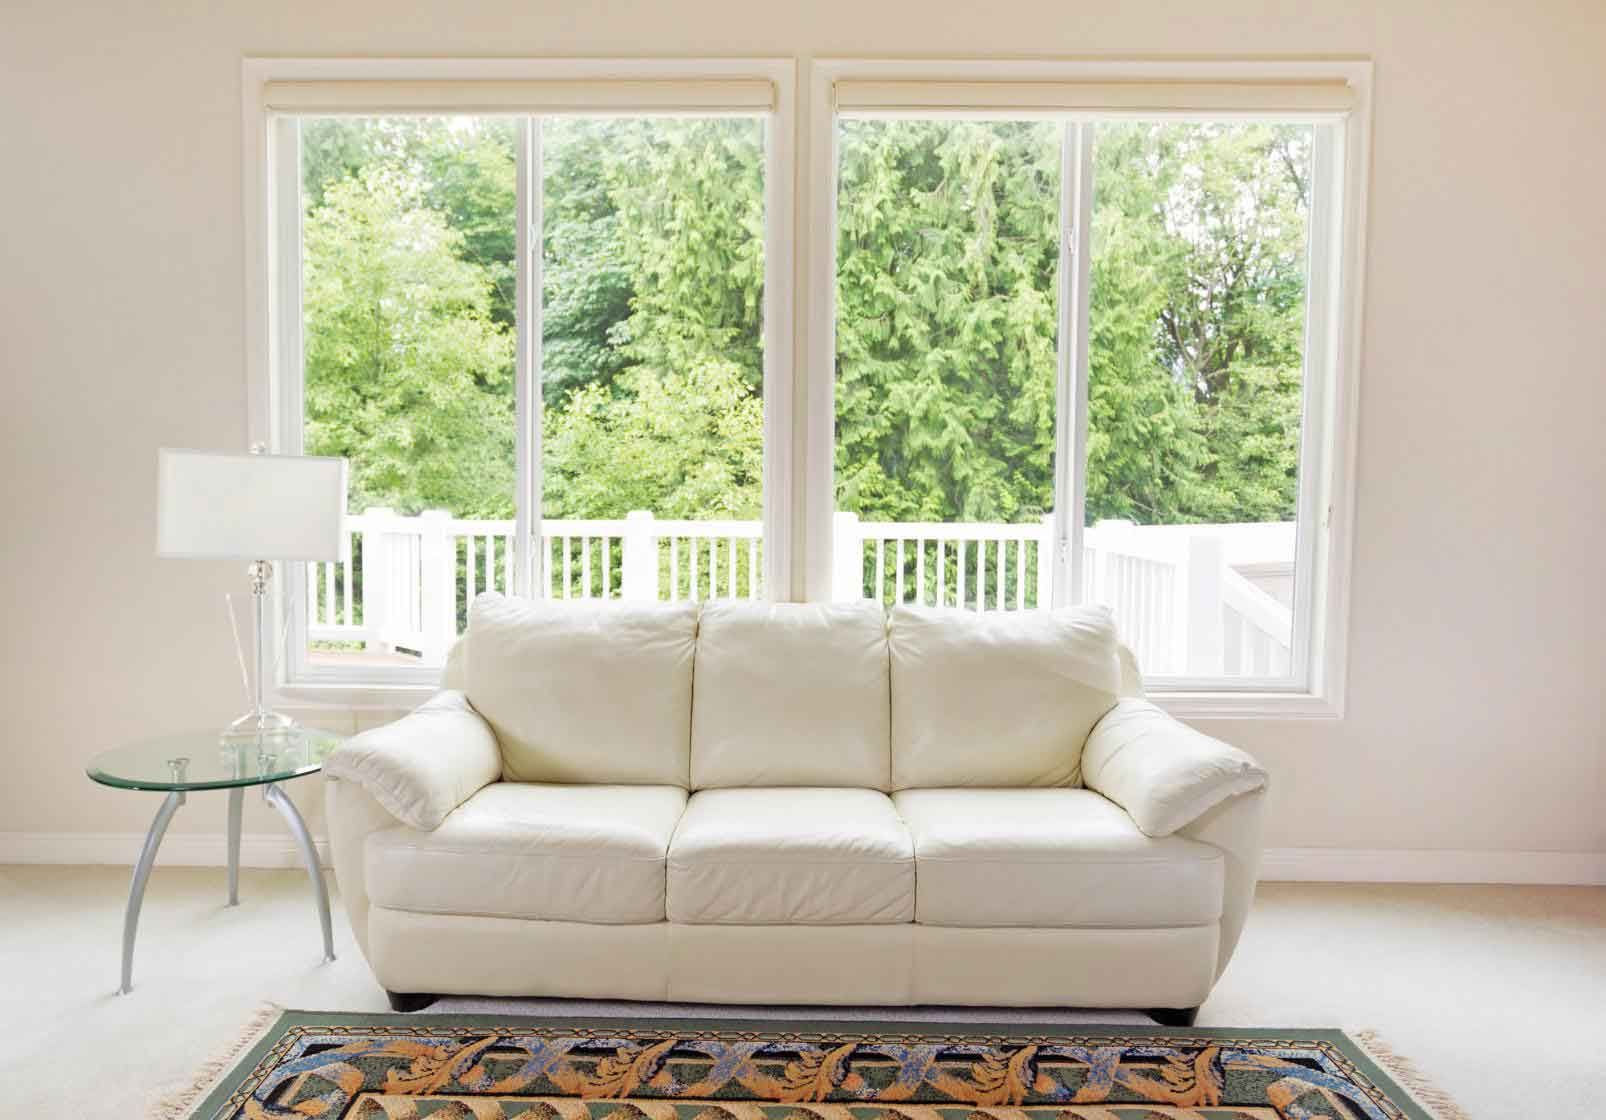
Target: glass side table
x: 199, y: 760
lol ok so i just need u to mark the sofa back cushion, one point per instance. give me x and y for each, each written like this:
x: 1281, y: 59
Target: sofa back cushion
x: 591, y: 691
x: 791, y: 694
x: 998, y: 699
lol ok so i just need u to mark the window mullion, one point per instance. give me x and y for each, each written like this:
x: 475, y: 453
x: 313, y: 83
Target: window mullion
x: 1076, y: 224
x: 287, y: 370
x: 527, y: 573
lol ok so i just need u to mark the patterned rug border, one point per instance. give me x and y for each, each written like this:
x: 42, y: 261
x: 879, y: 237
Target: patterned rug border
x: 1367, y: 1059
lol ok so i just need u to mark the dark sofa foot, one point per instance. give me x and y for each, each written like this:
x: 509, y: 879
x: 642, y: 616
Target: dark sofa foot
x: 1171, y: 1016
x: 409, y: 1001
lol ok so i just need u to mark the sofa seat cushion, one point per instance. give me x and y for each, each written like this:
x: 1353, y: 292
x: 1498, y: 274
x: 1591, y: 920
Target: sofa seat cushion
x: 559, y: 853
x: 798, y: 856
x: 1052, y: 858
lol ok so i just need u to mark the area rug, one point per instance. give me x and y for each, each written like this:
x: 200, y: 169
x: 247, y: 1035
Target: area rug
x: 489, y: 1067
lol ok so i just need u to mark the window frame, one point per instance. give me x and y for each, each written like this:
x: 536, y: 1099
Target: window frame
x: 799, y: 331
x: 1332, y: 350
x: 274, y: 366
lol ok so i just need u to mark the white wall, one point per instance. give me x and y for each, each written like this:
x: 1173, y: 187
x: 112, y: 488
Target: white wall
x: 1478, y: 643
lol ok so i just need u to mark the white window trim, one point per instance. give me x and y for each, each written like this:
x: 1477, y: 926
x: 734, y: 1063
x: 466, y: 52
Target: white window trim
x: 1328, y: 437
x: 273, y: 362
x: 800, y: 330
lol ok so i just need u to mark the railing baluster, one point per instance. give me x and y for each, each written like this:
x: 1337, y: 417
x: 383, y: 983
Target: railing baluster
x: 345, y: 569
x: 752, y: 567
x: 490, y: 563
x: 1020, y: 575
x: 713, y: 568
x: 468, y: 570
x: 898, y: 578
x: 730, y: 586
x: 507, y: 565
x: 674, y: 570
x: 959, y: 573
x: 691, y: 567
x: 1001, y: 596
x: 585, y: 567
x: 328, y: 613
x: 920, y: 570
x: 981, y: 575
x: 936, y: 594
x: 568, y: 568
x: 880, y: 569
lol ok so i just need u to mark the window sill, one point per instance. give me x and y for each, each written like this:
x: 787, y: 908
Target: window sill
x: 1185, y: 705
x: 395, y: 696
x: 1196, y: 706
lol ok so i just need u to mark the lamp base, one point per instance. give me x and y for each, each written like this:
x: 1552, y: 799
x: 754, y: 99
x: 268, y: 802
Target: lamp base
x: 262, y: 722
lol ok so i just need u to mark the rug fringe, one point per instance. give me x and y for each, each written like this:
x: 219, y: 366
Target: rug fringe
x: 177, y: 1103
x: 1410, y: 1078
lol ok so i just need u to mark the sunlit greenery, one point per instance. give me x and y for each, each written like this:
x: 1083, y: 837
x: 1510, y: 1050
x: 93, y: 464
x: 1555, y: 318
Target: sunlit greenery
x: 947, y: 291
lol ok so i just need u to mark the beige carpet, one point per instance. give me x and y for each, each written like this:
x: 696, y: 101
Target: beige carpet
x: 1470, y: 982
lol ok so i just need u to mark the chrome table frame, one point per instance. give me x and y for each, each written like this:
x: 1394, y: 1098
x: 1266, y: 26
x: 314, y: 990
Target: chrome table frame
x: 273, y: 795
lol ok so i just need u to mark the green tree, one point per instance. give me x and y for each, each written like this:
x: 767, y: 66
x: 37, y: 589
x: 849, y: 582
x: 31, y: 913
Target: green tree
x: 683, y: 445
x: 947, y: 258
x: 1199, y: 232
x: 407, y: 373
x: 947, y: 316
x: 586, y: 276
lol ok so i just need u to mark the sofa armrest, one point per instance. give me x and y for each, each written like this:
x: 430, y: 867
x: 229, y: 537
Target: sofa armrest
x: 425, y: 764
x: 1163, y: 773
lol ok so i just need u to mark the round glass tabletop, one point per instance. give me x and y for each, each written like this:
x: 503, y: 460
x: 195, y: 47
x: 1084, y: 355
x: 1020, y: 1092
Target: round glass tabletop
x: 214, y: 759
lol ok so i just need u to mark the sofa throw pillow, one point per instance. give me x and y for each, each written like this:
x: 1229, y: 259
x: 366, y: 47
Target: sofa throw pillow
x: 584, y: 691
x: 998, y: 699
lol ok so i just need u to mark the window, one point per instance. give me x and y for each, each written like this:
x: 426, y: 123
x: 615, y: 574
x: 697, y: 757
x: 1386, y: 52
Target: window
x: 1195, y: 390
x: 538, y: 336
x: 1083, y: 348
x: 1070, y: 332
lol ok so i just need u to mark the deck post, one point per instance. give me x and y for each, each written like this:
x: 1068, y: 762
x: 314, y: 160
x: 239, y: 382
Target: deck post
x: 639, y: 563
x: 437, y: 562
x: 376, y: 566
x: 847, y: 558
x: 1206, y: 560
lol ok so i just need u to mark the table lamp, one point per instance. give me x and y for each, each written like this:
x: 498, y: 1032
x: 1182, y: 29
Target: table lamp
x: 256, y: 507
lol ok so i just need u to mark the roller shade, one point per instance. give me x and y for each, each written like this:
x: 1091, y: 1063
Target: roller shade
x: 360, y: 97
x: 1028, y: 98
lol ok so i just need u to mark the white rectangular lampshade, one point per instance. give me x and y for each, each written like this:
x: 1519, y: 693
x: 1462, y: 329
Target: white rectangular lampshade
x: 249, y: 507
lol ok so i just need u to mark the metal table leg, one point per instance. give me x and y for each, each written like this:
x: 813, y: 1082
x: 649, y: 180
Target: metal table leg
x: 236, y: 802
x: 276, y: 797
x: 142, y: 873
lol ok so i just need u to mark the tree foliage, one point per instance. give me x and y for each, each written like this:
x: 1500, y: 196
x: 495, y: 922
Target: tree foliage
x: 407, y: 373
x: 948, y: 319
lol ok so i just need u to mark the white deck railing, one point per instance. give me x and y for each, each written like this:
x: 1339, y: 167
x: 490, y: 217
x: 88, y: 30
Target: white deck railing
x: 404, y: 583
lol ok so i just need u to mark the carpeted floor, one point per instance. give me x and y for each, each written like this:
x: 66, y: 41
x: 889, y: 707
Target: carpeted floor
x: 1494, y: 992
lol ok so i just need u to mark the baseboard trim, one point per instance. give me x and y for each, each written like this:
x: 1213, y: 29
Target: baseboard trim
x: 1278, y: 865
x: 121, y: 849
x: 1382, y: 865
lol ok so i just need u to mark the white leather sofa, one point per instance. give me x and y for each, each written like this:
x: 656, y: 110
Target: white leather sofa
x: 794, y: 803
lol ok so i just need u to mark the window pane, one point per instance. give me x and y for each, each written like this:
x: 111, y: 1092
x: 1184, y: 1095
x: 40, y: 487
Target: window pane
x: 652, y: 361
x: 408, y: 343
x: 946, y: 324
x: 1197, y: 324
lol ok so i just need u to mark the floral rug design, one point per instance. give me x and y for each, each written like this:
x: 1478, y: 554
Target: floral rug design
x: 466, y: 1067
